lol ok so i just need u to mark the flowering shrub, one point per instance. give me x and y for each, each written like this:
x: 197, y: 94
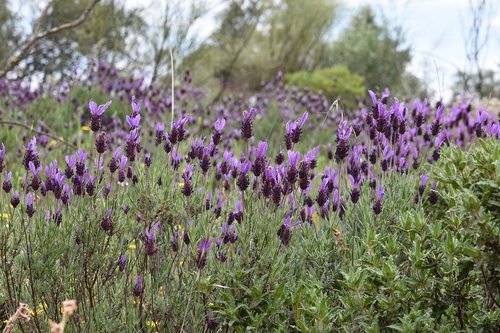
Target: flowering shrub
x: 187, y: 226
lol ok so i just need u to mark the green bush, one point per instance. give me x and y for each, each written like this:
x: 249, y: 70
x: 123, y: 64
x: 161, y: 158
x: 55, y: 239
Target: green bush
x: 334, y: 82
x: 437, y: 269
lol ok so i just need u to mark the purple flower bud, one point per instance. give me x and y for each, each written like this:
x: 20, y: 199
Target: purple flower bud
x: 147, y: 159
x: 203, y: 248
x: 95, y: 114
x: 101, y: 143
x: 29, y: 205
x: 14, y: 201
x: 139, y: 286
x: 106, y: 221
x: 7, y: 186
x: 122, y: 262
x: 247, y: 123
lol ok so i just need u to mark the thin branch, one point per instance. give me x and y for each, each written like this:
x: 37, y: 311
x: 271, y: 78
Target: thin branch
x: 25, y: 50
x: 55, y: 137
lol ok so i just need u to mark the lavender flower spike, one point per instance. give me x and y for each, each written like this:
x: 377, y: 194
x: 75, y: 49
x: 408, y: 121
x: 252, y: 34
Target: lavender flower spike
x: 139, y: 286
x: 95, y: 114
x: 203, y: 248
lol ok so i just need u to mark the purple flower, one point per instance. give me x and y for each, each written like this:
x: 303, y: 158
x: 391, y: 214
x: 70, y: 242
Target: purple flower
x: 160, y: 132
x: 187, y: 188
x: 343, y: 134
x: 203, y: 248
x: 247, y: 123
x: 150, y: 242
x: 31, y: 155
x: 123, y: 162
x: 243, y: 182
x: 262, y: 149
x: 219, y: 125
x: 7, y: 186
x: 323, y: 193
x: 117, y: 153
x: 136, y: 107
x: 95, y: 114
x: 147, y: 159
x: 106, y: 221
x: 433, y: 196
x: 107, y: 190
x: 122, y: 262
x: 139, y: 286
x: 285, y: 231
x: 29, y: 205
x: 133, y: 121
x: 90, y: 184
x: 29, y: 199
x: 96, y: 110
x: 293, y: 158
x: 2, y: 156
x: 355, y: 191
x: 14, y: 201
x: 101, y: 143
x: 2, y: 152
x: 245, y: 167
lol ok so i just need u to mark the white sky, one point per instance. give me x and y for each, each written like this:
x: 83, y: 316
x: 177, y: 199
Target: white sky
x: 435, y: 29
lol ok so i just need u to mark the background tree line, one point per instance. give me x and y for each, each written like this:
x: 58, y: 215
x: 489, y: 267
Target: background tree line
x: 250, y: 42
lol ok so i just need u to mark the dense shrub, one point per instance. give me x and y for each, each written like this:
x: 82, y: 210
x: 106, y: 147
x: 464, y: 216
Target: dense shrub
x: 334, y: 82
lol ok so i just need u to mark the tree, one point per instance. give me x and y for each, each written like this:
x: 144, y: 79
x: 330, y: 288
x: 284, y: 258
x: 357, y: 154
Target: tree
x: 256, y: 39
x: 56, y: 44
x: 9, y: 34
x: 373, y: 50
x: 481, y: 16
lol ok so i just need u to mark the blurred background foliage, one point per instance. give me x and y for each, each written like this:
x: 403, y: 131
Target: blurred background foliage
x: 247, y: 43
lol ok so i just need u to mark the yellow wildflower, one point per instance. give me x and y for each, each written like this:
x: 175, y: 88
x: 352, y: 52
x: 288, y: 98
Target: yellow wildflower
x: 315, y: 219
x: 152, y: 324
x: 85, y: 128
x: 132, y: 246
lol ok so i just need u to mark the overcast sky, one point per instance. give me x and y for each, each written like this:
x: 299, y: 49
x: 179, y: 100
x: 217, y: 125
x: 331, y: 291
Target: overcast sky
x: 435, y: 30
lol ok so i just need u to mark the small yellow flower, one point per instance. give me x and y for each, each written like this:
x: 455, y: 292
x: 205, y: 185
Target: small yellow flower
x: 5, y: 321
x: 52, y: 142
x: 5, y: 216
x: 152, y: 324
x: 315, y: 219
x: 136, y: 302
x: 85, y: 128
x: 132, y: 246
x: 61, y: 138
x: 181, y: 184
x: 181, y: 263
x: 210, y: 304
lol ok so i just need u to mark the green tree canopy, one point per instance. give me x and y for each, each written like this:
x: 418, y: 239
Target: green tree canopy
x: 372, y: 49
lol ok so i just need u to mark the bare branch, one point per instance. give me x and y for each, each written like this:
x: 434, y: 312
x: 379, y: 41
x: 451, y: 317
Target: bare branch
x: 25, y: 50
x: 52, y: 136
